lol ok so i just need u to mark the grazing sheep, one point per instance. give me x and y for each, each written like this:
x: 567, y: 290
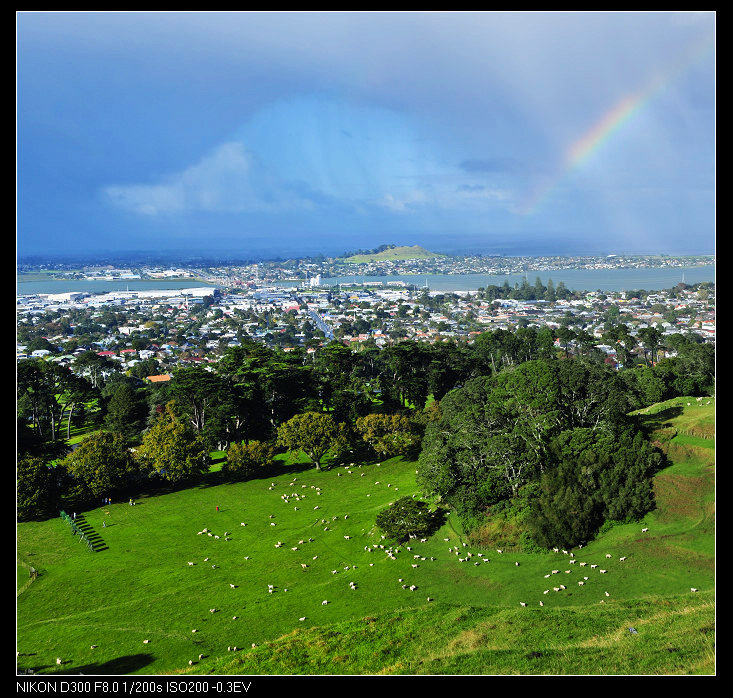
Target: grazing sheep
x: 303, y: 618
x: 497, y: 550
x: 556, y: 588
x: 555, y: 571
x: 516, y: 564
x: 644, y: 530
x: 190, y: 662
x: 692, y: 589
x: 190, y: 564
x: 556, y: 550
x: 580, y: 584
x: 546, y: 576
x: 324, y: 603
x: 145, y: 642
x: 593, y: 566
x: 562, y: 586
x: 303, y: 565
x: 608, y: 555
x: 583, y: 564
x: 194, y: 630
x: 606, y: 593
x: 522, y: 604
x: 603, y: 571
x: 621, y: 559
x: 541, y: 604
x: 58, y: 660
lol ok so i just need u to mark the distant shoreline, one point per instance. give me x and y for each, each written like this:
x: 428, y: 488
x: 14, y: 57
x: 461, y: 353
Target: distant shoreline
x: 606, y: 280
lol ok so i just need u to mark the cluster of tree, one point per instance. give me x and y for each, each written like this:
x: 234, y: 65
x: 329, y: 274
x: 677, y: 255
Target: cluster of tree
x: 558, y: 425
x: 524, y: 292
x: 369, y: 401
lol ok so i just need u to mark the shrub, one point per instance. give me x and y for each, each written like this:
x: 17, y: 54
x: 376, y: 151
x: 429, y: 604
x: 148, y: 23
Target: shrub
x: 409, y: 517
x: 245, y: 459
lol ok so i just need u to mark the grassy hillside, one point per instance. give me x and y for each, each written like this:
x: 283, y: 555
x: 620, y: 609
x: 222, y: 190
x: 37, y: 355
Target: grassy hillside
x: 141, y: 587
x: 394, y: 254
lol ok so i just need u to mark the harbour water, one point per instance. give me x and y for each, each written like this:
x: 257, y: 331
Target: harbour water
x: 607, y: 280
x: 649, y: 279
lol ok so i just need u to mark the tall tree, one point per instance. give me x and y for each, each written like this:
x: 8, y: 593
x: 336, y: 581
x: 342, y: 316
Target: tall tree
x: 314, y: 433
x: 173, y: 449
x: 101, y: 464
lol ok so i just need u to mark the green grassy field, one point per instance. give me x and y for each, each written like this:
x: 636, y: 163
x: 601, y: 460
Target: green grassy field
x: 139, y: 586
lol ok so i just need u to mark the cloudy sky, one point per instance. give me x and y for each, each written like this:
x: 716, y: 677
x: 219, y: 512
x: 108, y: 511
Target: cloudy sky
x: 302, y: 133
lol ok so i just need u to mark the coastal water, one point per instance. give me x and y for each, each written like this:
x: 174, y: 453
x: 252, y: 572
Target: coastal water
x: 649, y: 279
x: 27, y: 288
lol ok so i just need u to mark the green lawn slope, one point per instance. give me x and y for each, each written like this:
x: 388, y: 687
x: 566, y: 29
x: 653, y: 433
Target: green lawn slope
x: 310, y: 534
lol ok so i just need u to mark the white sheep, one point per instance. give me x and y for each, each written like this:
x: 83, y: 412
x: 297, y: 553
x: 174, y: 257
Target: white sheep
x: 644, y: 530
x: 603, y: 571
x: 692, y: 589
x: 324, y: 603
x: 516, y: 564
x: 593, y: 566
x: 580, y: 584
x: 58, y: 660
x: 608, y: 555
x: 621, y: 559
x: 190, y: 564
x: 522, y: 604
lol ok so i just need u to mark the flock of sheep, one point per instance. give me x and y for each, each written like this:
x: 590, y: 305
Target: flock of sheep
x: 391, y: 552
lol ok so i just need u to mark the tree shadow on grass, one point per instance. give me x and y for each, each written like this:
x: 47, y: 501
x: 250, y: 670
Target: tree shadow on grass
x: 118, y: 666
x: 657, y: 420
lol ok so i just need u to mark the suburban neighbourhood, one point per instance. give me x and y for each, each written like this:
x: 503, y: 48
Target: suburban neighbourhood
x: 166, y: 328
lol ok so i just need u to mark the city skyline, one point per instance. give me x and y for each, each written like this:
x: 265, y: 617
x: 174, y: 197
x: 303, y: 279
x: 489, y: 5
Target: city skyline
x: 306, y: 133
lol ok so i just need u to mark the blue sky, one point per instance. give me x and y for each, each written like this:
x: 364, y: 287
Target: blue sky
x: 278, y: 134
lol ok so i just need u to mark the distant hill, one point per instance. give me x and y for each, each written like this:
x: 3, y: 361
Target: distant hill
x: 393, y: 253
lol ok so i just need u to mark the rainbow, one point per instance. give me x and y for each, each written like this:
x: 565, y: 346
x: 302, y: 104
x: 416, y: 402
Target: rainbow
x: 611, y: 122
